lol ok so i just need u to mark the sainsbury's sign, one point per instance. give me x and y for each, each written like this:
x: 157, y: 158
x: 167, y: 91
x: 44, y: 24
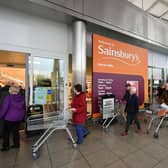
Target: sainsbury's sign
x: 130, y: 59
x: 112, y: 56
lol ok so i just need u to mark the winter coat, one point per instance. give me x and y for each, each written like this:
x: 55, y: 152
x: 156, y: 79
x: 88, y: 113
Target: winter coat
x: 132, y: 106
x: 79, y: 102
x: 13, y: 108
x: 126, y: 95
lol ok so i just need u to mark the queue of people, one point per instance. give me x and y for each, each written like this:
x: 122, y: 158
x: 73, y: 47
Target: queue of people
x: 132, y: 106
x: 12, y: 112
x: 78, y: 108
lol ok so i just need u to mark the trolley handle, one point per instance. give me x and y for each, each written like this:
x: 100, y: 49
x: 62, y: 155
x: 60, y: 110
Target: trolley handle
x: 45, y: 118
x: 45, y: 115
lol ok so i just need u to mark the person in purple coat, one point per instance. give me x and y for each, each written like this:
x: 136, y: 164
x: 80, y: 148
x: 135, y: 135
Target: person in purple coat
x: 12, y: 112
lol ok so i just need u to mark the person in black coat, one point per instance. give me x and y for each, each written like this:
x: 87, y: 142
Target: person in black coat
x: 127, y: 92
x: 4, y: 91
x: 132, y: 109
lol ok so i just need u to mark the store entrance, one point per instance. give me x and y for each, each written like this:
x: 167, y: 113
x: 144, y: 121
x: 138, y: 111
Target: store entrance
x: 13, y: 70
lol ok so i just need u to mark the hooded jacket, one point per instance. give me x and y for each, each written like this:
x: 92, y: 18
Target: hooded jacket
x: 79, y: 102
x: 13, y: 108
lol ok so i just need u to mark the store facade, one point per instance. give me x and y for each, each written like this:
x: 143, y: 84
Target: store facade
x: 52, y: 46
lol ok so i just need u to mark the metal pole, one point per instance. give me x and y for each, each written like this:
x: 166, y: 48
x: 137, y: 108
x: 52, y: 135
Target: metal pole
x: 79, y: 53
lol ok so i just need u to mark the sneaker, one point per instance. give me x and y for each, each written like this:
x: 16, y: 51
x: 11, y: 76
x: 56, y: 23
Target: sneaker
x: 124, y: 133
x: 86, y: 135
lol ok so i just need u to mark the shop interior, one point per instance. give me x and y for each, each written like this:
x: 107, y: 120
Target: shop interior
x: 12, y: 68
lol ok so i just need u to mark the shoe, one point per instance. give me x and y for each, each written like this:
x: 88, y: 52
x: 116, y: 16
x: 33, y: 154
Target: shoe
x: 137, y: 131
x: 15, y: 146
x: 86, y: 135
x: 4, y: 149
x: 124, y: 133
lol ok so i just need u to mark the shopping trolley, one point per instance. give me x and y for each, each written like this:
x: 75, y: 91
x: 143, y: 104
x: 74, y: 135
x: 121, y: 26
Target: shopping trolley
x: 160, y: 115
x: 107, y: 108
x: 110, y: 109
x: 50, y: 122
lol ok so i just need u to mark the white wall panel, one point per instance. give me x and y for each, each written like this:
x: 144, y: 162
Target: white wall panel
x: 157, y: 59
x: 33, y: 33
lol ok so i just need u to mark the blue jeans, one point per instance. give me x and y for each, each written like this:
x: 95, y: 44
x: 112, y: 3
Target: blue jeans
x: 81, y: 131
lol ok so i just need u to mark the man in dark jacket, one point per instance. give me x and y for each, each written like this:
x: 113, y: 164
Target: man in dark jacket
x: 132, y: 109
x: 127, y: 92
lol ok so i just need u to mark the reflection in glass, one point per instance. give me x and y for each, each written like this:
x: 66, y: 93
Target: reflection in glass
x: 48, y: 83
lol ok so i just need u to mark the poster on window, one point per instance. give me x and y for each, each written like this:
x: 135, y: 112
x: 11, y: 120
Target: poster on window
x: 40, y: 95
x: 114, y: 64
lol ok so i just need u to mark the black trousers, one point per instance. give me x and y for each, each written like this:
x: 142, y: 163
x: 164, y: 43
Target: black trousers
x: 1, y: 127
x: 130, y: 118
x: 11, y: 127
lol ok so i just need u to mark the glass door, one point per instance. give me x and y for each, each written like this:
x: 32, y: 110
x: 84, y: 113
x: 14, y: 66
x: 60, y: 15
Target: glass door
x: 47, y: 83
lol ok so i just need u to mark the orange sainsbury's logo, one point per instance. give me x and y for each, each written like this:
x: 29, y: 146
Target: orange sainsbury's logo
x: 109, y: 52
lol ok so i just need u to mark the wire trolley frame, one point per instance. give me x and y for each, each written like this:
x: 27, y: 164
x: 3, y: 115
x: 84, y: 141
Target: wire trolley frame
x: 50, y: 122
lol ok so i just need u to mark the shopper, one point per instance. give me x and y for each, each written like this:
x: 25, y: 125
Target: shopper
x: 78, y: 109
x: 127, y: 92
x: 160, y: 91
x: 12, y: 112
x: 126, y: 98
x: 132, y: 108
x: 164, y: 95
x: 4, y: 91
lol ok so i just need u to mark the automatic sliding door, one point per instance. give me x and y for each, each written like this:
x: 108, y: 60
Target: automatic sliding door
x: 47, y: 80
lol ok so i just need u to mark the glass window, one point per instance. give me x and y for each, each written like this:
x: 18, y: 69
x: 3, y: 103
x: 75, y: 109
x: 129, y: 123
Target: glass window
x: 155, y: 79
x: 157, y: 74
x: 166, y: 75
x: 48, y: 83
